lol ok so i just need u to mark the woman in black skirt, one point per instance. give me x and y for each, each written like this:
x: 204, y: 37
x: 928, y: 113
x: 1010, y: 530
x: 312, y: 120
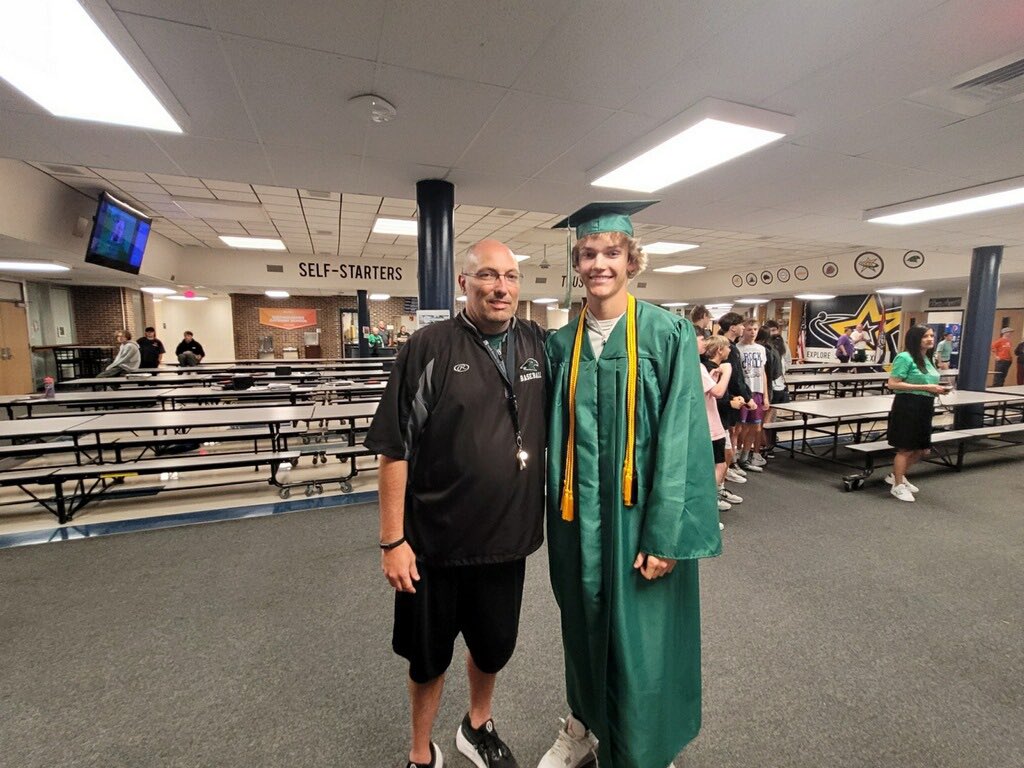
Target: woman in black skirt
x: 915, y: 380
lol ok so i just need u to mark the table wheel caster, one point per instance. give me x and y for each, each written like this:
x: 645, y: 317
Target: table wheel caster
x: 319, y: 488
x: 309, y: 489
x: 346, y: 486
x: 285, y: 493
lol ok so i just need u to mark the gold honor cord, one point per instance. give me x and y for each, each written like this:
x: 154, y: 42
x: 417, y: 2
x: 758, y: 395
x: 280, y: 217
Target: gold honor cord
x: 569, y: 476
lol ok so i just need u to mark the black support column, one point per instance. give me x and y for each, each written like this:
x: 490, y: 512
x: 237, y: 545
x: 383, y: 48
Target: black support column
x: 363, y: 307
x: 975, y: 344
x: 435, y: 200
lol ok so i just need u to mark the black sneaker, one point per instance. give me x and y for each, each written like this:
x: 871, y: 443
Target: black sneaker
x: 482, y: 745
x: 436, y: 759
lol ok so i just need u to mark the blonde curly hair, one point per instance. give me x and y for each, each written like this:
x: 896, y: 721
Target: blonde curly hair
x: 637, y: 259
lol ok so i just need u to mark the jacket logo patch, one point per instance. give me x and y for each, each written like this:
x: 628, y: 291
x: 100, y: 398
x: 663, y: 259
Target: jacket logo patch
x: 461, y: 367
x: 530, y: 366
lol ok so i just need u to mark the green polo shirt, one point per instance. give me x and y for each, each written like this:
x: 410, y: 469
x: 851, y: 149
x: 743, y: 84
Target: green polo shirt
x: 905, y: 369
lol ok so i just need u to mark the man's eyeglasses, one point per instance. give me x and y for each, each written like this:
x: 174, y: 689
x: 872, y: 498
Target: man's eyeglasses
x: 490, y: 276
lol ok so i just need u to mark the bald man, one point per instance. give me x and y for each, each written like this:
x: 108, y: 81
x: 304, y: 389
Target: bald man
x: 461, y: 431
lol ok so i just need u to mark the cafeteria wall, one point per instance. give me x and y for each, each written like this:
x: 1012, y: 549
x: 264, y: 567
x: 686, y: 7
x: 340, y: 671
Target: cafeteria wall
x: 211, y: 322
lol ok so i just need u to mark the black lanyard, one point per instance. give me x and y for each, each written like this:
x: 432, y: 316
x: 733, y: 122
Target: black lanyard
x: 506, y: 365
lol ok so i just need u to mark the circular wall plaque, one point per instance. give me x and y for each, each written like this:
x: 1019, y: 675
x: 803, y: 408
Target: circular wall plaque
x: 737, y: 281
x: 751, y: 278
x: 830, y: 269
x: 913, y: 259
x: 767, y: 277
x: 800, y: 273
x: 868, y: 265
x: 783, y: 275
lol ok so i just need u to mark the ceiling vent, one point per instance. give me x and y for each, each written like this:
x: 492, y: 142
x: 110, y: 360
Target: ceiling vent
x: 980, y: 90
x: 221, y: 210
x: 275, y: 268
x: 64, y: 170
x: 541, y: 280
x: 316, y: 193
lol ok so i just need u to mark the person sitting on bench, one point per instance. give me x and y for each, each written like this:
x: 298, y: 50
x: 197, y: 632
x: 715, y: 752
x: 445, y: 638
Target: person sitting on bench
x: 190, y: 352
x: 127, y: 359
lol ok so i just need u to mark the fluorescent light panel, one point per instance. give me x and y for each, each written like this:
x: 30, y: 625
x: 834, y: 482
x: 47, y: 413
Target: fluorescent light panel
x: 253, y: 243
x: 379, y: 296
x: 986, y: 197
x: 276, y: 294
x: 408, y: 227
x: 158, y: 290
x: 674, y: 304
x: 545, y: 301
x: 814, y: 296
x: 899, y: 291
x: 663, y: 247
x: 45, y: 43
x: 752, y: 301
x: 709, y: 134
x: 32, y: 266
x: 180, y: 297
x: 520, y: 257
x: 678, y: 269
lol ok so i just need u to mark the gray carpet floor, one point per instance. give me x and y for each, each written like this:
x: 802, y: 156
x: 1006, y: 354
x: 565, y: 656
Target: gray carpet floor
x: 840, y: 629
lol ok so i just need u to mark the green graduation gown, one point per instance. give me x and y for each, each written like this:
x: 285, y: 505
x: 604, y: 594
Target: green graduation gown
x: 632, y: 646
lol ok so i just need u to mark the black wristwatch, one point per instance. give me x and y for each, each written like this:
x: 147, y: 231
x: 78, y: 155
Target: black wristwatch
x: 393, y: 544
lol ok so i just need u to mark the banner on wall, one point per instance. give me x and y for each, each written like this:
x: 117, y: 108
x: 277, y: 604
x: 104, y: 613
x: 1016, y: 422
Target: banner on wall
x: 287, y: 318
x: 827, y: 320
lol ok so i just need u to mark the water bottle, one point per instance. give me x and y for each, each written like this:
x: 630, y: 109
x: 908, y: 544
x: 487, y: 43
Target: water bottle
x: 48, y: 390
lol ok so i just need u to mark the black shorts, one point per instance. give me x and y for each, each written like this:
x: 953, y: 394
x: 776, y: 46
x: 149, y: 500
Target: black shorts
x: 780, y: 396
x: 480, y: 601
x: 910, y: 422
x: 718, y: 447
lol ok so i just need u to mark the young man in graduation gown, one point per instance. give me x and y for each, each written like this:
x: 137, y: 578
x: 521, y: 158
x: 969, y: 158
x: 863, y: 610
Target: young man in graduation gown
x: 632, y: 505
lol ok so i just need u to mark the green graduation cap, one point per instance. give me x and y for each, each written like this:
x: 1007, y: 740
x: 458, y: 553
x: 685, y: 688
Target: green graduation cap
x: 604, y: 217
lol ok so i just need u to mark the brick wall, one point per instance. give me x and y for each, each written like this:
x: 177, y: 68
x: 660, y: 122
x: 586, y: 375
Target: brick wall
x: 246, y: 317
x: 99, y: 311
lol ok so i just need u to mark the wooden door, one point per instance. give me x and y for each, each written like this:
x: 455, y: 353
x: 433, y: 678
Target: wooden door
x: 15, y: 355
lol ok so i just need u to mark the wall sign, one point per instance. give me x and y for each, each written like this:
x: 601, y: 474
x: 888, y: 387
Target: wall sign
x: 800, y: 272
x: 328, y: 269
x: 830, y: 269
x: 751, y: 278
x: 868, y: 265
x: 767, y: 277
x: 913, y: 259
x: 425, y: 317
x: 737, y: 281
x: 288, y: 319
x: 783, y: 275
x: 943, y: 302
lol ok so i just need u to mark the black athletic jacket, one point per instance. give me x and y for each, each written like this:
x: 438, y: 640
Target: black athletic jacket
x: 445, y: 411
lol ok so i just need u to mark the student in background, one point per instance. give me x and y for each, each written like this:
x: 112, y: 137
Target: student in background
x: 777, y: 389
x: 754, y: 358
x: 151, y: 349
x: 1001, y: 349
x: 1019, y: 354
x: 189, y: 351
x: 127, y: 358
x: 844, y: 345
x: 714, y: 352
x: 730, y: 326
x: 944, y: 351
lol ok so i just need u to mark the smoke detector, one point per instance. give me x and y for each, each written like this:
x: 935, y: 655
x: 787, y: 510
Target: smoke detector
x: 376, y: 108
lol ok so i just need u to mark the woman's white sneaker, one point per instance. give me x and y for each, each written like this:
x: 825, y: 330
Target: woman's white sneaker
x: 902, y: 492
x: 575, y: 747
x: 891, y: 480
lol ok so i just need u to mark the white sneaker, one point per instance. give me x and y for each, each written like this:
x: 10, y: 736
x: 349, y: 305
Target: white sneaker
x: 736, y: 468
x: 721, y: 525
x: 749, y: 466
x: 732, y: 498
x: 574, y: 747
x: 891, y: 480
x: 734, y: 477
x: 723, y: 505
x: 902, y: 492
x: 757, y: 460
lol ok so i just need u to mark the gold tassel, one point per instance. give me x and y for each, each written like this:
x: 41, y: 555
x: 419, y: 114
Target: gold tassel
x: 569, y: 475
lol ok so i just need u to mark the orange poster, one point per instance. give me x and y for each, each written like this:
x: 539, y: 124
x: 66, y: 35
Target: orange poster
x: 287, y: 318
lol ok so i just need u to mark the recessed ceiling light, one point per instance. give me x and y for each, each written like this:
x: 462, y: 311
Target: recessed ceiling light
x: 900, y: 291
x: 520, y: 257
x: 678, y: 269
x: 986, y: 197
x: 45, y: 43
x: 674, y: 304
x: 253, y: 243
x: 814, y: 296
x: 180, y: 297
x: 32, y: 266
x: 709, y: 134
x: 545, y: 301
x: 379, y: 296
x: 408, y: 227
x: 752, y: 301
x: 460, y: 298
x: 663, y: 247
x: 158, y: 290
x: 276, y: 294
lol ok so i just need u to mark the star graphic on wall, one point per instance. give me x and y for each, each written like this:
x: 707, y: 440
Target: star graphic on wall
x: 869, y: 313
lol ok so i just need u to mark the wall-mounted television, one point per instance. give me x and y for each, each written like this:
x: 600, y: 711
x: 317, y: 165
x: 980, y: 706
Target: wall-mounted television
x: 119, y: 234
